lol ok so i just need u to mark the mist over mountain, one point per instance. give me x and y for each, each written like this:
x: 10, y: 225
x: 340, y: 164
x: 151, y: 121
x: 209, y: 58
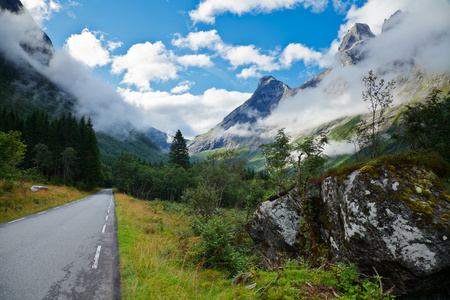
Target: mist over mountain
x: 34, y: 76
x: 411, y: 50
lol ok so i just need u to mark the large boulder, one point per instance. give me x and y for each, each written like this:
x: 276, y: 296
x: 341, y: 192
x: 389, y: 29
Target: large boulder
x: 276, y: 225
x: 393, y: 219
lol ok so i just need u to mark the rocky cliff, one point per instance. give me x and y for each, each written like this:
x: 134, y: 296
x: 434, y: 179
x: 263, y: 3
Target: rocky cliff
x: 388, y: 216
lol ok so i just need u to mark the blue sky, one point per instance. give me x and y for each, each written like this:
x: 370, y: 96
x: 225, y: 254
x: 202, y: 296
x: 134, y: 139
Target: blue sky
x: 186, y: 64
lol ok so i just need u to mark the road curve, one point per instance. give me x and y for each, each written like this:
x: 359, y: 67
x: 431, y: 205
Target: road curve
x: 67, y: 252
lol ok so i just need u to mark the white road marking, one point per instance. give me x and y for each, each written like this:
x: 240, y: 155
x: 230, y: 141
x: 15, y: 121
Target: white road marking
x: 16, y: 220
x: 108, y: 211
x: 96, y: 257
x: 42, y: 212
x: 57, y: 207
x: 104, y: 227
x: 106, y: 218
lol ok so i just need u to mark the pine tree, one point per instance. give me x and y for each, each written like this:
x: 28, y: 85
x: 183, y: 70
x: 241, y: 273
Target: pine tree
x: 179, y: 154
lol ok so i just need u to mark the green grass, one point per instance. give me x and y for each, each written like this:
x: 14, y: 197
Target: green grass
x: 157, y: 244
x: 17, y: 200
x: 345, y: 130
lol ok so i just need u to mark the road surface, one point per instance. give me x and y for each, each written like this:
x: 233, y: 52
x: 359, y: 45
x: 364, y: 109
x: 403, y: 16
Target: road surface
x: 67, y: 252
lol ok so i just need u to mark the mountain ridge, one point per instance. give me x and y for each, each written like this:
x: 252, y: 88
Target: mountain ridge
x: 355, y: 53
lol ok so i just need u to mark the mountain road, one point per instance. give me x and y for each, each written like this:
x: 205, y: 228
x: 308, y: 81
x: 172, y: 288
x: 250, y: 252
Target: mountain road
x: 67, y: 252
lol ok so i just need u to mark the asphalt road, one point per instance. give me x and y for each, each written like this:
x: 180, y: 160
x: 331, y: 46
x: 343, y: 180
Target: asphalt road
x: 67, y: 252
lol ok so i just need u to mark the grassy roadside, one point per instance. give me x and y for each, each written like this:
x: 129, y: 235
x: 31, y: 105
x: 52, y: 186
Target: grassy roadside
x: 17, y: 200
x: 157, y: 246
x: 153, y: 237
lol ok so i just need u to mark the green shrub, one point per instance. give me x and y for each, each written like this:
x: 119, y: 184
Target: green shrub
x: 203, y: 199
x: 215, y: 249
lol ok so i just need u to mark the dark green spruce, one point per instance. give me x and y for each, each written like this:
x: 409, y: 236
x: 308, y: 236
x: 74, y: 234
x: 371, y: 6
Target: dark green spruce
x: 179, y: 154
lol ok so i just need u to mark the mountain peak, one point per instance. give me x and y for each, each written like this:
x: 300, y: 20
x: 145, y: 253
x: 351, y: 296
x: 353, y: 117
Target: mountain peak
x: 351, y: 51
x: 393, y: 21
x: 265, y: 80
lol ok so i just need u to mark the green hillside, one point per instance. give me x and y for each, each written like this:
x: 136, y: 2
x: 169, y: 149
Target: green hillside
x: 24, y: 90
x: 136, y: 144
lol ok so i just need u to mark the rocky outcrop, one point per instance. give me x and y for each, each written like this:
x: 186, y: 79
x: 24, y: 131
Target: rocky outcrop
x: 276, y: 225
x: 392, y: 219
x: 351, y: 49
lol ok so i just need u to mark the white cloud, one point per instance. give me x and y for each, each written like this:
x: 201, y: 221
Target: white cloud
x: 295, y: 52
x: 249, y: 72
x: 114, y: 45
x: 207, y: 10
x: 87, y: 48
x: 144, y: 63
x: 254, y: 58
x: 41, y: 9
x: 182, y: 87
x: 192, y: 114
x: 199, y: 60
x: 197, y: 40
x: 247, y: 55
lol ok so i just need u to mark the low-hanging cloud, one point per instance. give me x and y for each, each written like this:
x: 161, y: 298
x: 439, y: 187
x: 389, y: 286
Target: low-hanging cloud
x: 94, y: 97
x: 422, y: 39
x: 193, y: 113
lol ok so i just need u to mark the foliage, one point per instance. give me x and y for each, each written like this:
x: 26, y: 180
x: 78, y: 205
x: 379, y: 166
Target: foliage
x: 12, y: 152
x: 155, y: 263
x: 42, y: 157
x: 47, y: 139
x: 215, y: 249
x: 203, y: 199
x: 147, y: 181
x: 224, y: 171
x: 285, y: 170
x: 179, y: 154
x: 278, y: 159
x: 427, y: 124
x: 310, y: 160
x: 379, y: 96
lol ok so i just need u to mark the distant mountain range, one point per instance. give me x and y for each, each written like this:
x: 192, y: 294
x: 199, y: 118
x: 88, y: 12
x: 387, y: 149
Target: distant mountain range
x: 319, y: 104
x: 246, y: 127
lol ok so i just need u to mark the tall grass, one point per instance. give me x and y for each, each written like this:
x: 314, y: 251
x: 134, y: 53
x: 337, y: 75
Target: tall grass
x: 17, y: 200
x: 154, y: 243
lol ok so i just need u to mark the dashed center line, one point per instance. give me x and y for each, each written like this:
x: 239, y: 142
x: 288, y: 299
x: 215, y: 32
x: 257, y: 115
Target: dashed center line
x: 96, y: 257
x: 104, y: 227
x: 42, y: 212
x: 57, y: 207
x: 106, y: 219
x: 16, y: 220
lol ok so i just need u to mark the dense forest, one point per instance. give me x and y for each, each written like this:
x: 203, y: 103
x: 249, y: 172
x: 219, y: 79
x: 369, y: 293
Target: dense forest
x: 63, y: 150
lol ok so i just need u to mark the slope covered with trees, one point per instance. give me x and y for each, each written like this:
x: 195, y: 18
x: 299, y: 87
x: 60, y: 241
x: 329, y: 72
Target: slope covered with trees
x: 63, y: 149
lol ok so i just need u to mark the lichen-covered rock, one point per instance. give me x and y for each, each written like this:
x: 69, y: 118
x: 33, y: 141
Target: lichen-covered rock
x: 394, y: 220
x: 276, y: 225
x: 37, y: 188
